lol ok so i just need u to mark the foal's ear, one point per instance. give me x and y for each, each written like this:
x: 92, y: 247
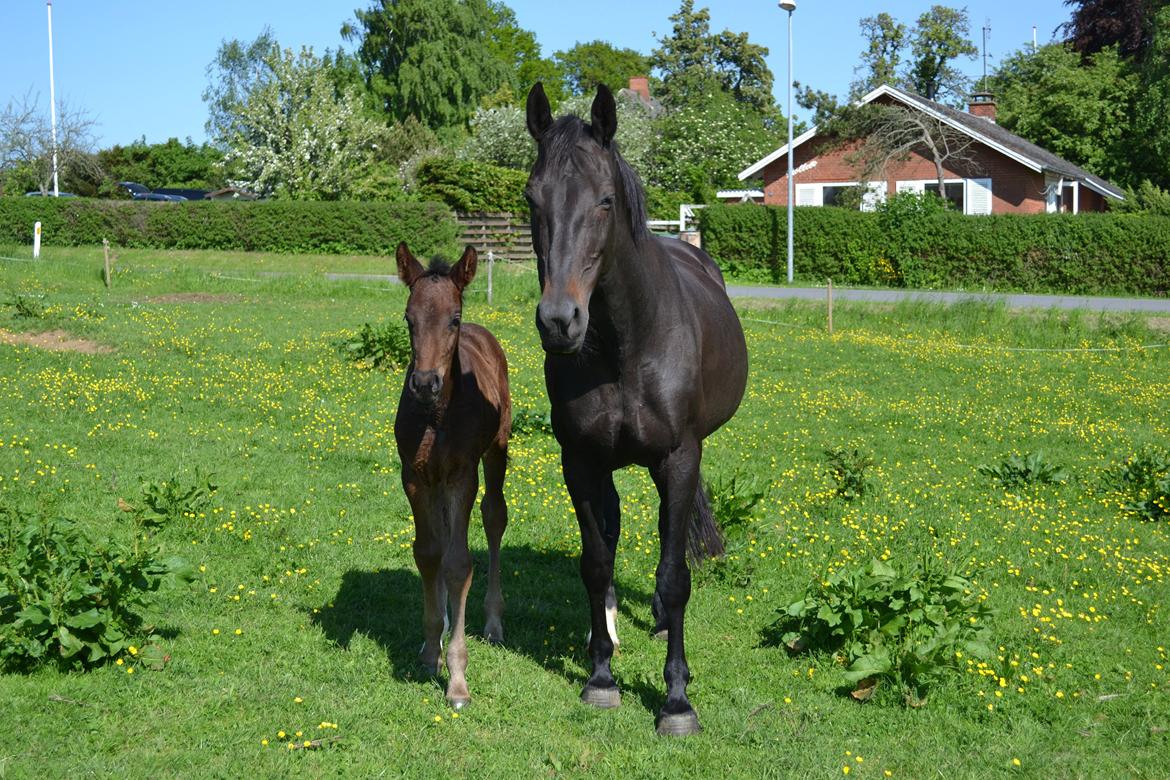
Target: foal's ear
x: 603, y: 115
x: 409, y: 269
x: 464, y: 270
x: 539, y: 113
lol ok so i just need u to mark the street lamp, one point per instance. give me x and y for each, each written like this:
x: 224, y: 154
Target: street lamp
x: 789, y: 6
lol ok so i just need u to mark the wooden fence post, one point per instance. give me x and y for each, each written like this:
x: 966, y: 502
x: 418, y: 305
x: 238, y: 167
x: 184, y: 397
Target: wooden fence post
x: 106, y: 266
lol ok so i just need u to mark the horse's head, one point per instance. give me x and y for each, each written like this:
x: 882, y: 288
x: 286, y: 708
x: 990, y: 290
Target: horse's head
x: 433, y: 313
x: 582, y: 198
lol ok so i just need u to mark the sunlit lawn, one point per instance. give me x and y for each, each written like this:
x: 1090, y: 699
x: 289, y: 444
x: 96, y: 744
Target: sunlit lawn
x: 304, y: 620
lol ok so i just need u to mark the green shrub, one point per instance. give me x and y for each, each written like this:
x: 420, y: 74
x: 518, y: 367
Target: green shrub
x: 385, y: 347
x: 470, y: 186
x: 260, y: 226
x: 910, y: 629
x: 1142, y: 484
x: 1030, y: 469
x: 914, y: 245
x: 172, y: 499
x: 526, y: 422
x: 72, y: 600
x: 733, y: 500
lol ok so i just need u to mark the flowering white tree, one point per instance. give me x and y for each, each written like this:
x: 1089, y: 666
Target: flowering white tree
x: 294, y: 135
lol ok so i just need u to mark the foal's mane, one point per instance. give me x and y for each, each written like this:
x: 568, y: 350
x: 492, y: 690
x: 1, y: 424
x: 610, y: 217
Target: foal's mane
x: 559, y: 145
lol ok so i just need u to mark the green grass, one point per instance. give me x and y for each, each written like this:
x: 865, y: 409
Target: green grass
x: 305, y: 551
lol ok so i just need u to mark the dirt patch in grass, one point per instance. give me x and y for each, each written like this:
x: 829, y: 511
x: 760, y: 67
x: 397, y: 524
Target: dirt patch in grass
x: 195, y: 297
x: 1160, y: 324
x: 55, y: 340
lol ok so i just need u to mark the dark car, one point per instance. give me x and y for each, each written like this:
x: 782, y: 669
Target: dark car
x: 134, y: 188
x: 38, y: 193
x: 156, y: 196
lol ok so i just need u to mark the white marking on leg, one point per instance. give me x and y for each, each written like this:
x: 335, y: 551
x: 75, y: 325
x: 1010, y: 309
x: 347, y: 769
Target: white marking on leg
x: 611, y: 623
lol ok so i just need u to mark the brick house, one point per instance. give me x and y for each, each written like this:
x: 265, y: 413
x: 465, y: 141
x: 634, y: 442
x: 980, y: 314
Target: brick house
x: 1003, y: 174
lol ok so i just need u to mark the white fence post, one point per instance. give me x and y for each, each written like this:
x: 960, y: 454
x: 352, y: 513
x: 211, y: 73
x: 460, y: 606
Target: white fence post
x: 36, y: 240
x: 491, y: 263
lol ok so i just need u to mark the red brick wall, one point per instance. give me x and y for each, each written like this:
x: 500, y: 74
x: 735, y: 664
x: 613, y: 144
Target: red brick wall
x: 1014, y: 188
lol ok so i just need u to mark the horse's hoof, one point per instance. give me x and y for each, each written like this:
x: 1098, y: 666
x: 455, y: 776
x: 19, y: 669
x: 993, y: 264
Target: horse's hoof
x: 602, y: 698
x: 459, y: 704
x: 661, y: 634
x: 494, y: 636
x: 680, y: 725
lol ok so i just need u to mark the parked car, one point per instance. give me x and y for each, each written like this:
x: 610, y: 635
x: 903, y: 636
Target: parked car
x: 38, y: 193
x: 142, y: 192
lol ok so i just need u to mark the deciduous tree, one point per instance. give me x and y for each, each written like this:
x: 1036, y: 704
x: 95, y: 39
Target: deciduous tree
x: 26, y: 144
x: 940, y: 36
x: 586, y: 65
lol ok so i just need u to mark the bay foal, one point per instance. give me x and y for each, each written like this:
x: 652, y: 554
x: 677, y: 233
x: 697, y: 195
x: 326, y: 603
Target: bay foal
x: 454, y: 412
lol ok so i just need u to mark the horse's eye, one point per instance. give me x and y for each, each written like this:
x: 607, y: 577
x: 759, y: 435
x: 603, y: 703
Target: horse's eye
x: 606, y: 202
x: 455, y: 321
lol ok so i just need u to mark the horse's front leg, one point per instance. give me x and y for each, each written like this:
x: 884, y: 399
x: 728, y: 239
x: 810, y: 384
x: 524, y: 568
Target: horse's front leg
x: 595, y: 502
x: 677, y: 479
x: 456, y: 574
x: 428, y: 555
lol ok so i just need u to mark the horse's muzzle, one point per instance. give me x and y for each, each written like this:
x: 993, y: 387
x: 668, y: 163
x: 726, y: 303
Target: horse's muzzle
x: 425, y: 386
x: 561, y: 325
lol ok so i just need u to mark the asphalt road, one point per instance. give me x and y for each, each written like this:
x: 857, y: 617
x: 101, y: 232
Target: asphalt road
x: 1012, y: 300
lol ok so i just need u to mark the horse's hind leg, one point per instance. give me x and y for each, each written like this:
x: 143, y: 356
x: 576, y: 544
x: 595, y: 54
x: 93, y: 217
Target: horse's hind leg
x: 677, y: 478
x: 456, y: 573
x: 495, y: 520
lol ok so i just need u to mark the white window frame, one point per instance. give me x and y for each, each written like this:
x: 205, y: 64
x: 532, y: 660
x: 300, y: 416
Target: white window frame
x: 813, y: 193
x: 918, y: 186
x: 1054, y: 193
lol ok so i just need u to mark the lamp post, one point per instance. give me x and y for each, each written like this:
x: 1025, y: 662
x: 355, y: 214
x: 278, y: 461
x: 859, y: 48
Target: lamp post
x: 52, y: 99
x: 789, y: 6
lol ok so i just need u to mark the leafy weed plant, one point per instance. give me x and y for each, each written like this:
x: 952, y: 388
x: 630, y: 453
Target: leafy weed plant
x: 71, y: 599
x: 907, y: 628
x: 171, y: 499
x: 1030, y: 469
x: 848, y: 467
x: 733, y: 500
x: 1142, y: 484
x: 385, y: 347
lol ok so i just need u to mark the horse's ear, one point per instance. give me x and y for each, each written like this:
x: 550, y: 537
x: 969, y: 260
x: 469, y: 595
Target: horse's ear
x: 539, y: 113
x: 464, y: 270
x: 603, y: 115
x: 409, y: 268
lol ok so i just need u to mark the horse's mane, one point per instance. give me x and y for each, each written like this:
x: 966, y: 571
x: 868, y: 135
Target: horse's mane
x: 560, y: 142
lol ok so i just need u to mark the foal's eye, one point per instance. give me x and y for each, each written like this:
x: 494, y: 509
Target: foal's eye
x: 455, y: 321
x: 606, y: 202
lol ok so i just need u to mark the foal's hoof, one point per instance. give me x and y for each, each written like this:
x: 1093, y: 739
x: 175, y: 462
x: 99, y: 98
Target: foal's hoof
x: 602, y: 698
x: 459, y: 704
x: 679, y: 725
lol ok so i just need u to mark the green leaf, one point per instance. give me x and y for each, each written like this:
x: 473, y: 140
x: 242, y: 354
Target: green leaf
x: 868, y: 665
x: 87, y: 619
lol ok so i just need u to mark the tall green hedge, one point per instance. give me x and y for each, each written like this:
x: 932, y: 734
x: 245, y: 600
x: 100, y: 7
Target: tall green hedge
x: 1085, y: 254
x: 470, y: 186
x: 268, y: 226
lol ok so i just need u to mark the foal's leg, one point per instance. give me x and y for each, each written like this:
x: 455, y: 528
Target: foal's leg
x: 456, y: 574
x: 428, y: 554
x: 495, y: 520
x: 677, y: 478
x: 592, y: 491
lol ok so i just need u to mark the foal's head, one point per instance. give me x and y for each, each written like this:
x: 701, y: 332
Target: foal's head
x: 585, y: 201
x: 433, y: 314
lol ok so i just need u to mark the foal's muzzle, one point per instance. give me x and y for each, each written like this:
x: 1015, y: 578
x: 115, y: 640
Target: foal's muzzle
x: 425, y: 386
x: 561, y: 324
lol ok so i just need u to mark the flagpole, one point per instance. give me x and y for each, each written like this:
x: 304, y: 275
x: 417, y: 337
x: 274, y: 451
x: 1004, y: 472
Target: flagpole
x: 52, y: 100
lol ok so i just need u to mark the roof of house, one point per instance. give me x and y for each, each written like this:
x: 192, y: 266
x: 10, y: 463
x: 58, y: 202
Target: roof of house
x: 983, y: 130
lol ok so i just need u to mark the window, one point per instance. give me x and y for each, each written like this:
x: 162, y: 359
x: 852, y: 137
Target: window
x: 969, y: 196
x: 840, y: 194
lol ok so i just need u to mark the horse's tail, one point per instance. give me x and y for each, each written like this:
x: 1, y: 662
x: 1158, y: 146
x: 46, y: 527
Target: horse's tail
x: 705, y: 539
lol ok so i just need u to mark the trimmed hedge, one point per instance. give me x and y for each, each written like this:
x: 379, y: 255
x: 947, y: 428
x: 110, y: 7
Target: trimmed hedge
x: 333, y: 227
x: 1083, y: 254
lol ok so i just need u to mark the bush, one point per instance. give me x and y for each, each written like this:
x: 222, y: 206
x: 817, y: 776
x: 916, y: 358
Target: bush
x: 259, y: 226
x: 70, y: 599
x: 1085, y: 254
x: 470, y: 186
x: 910, y: 629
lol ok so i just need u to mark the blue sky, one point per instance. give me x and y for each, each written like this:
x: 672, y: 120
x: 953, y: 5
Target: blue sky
x: 140, y: 67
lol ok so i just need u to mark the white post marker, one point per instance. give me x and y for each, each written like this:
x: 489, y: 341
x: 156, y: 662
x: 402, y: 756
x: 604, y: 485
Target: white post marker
x: 36, y: 240
x: 491, y: 262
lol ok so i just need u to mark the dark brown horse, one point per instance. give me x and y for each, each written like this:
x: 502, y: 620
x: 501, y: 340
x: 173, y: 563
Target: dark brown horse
x: 454, y: 412
x: 644, y: 358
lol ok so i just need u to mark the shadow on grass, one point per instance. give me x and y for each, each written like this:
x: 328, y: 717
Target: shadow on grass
x: 545, y: 619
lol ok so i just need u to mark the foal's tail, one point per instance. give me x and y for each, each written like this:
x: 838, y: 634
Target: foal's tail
x: 705, y: 539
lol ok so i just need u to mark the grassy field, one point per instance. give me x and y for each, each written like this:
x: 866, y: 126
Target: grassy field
x: 304, y: 618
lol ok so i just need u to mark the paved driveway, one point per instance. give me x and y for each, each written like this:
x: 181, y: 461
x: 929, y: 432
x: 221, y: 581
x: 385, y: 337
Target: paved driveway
x: 1014, y: 301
